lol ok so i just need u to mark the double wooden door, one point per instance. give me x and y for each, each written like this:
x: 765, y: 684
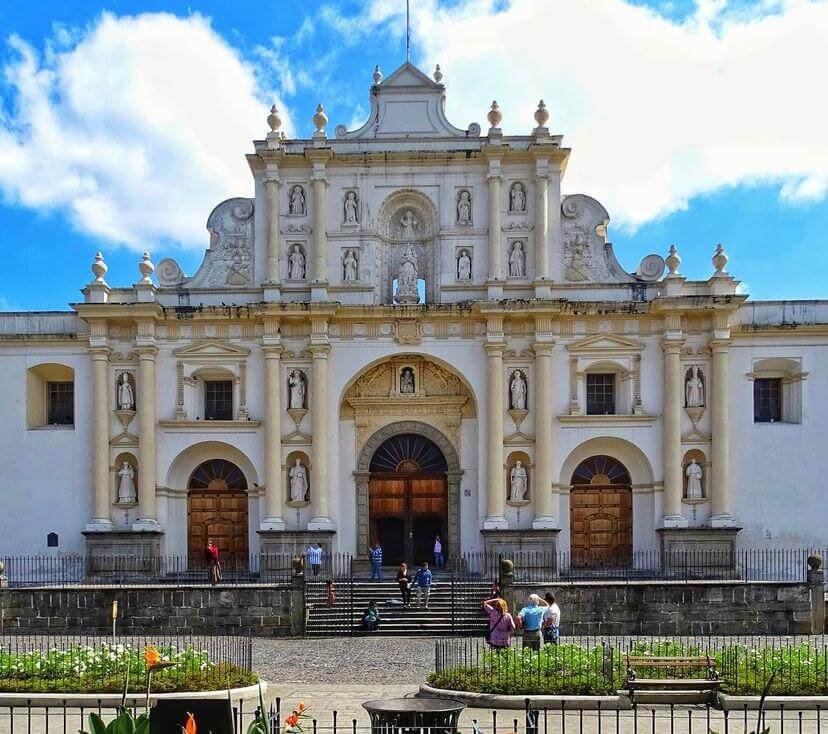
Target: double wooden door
x: 219, y: 515
x: 601, y: 526
x: 406, y: 513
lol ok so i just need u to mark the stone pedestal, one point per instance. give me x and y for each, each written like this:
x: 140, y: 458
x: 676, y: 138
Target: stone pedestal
x: 512, y: 544
x: 816, y: 586
x: 279, y: 546
x: 708, y: 553
x: 123, y: 554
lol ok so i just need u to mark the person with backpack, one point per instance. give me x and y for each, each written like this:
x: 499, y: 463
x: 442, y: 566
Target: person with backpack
x: 371, y: 617
x: 376, y: 561
x: 422, y: 580
x: 501, y: 623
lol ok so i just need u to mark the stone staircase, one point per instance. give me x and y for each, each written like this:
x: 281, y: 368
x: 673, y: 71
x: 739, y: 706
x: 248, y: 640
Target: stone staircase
x: 454, y: 608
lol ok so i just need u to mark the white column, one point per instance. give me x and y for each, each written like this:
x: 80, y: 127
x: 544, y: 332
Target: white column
x: 720, y: 514
x: 542, y: 220
x: 671, y: 436
x: 147, y: 519
x: 496, y: 497
x: 495, y: 265
x: 274, y: 488
x: 272, y: 187
x: 101, y: 519
x: 547, y: 508
x: 320, y: 485
x: 320, y: 234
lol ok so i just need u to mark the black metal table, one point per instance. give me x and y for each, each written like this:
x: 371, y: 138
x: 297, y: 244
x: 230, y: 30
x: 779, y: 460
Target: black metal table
x: 412, y: 715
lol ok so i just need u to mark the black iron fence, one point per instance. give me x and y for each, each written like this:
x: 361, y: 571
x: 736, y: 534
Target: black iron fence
x: 84, y: 663
x: 594, y: 666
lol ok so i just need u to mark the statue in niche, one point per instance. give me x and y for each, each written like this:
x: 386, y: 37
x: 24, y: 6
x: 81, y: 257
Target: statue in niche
x: 126, y: 485
x: 408, y: 226
x: 517, y: 391
x: 126, y: 396
x: 517, y: 260
x: 517, y: 197
x: 464, y: 265
x: 351, y: 203
x: 694, y: 389
x: 518, y: 481
x: 350, y: 267
x: 296, y: 264
x: 298, y: 482
x: 296, y: 205
x: 694, y: 481
x: 464, y: 208
x: 407, y: 381
x: 296, y: 388
x: 578, y: 268
x: 407, y: 277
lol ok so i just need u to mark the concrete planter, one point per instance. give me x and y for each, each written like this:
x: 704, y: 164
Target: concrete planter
x: 772, y: 703
x: 497, y: 701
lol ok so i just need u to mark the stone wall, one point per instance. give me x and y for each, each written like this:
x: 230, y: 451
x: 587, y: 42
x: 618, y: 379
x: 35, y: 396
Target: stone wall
x: 263, y: 609
x: 677, y: 608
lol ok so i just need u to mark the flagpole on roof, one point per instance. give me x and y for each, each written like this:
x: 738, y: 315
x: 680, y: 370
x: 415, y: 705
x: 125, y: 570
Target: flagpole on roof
x: 407, y: 32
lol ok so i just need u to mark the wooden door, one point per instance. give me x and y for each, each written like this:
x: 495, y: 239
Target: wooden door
x: 601, y: 526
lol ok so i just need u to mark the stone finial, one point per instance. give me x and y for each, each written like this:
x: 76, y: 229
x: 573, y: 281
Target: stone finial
x: 99, y: 268
x: 377, y: 74
x: 146, y: 268
x: 438, y: 75
x: 673, y: 261
x: 541, y: 114
x: 495, y: 116
x: 719, y: 260
x: 273, y: 119
x: 320, y: 119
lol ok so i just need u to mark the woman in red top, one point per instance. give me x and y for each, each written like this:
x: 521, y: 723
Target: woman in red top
x: 211, y: 555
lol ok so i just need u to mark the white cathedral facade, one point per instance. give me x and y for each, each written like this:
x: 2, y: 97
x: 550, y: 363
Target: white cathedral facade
x: 408, y: 331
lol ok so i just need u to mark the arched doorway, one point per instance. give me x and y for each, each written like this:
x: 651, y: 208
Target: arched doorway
x: 408, y: 497
x: 217, y: 509
x: 600, y: 513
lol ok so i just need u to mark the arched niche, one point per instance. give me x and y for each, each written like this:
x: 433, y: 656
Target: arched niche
x: 698, y: 456
x: 290, y: 462
x: 526, y: 463
x: 50, y: 395
x: 181, y: 468
x: 129, y: 458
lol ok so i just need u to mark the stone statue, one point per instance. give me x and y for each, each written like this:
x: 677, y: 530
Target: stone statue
x: 464, y: 266
x: 296, y: 387
x: 694, y: 481
x: 407, y: 381
x: 517, y: 197
x: 298, y: 482
x: 407, y: 278
x: 350, y: 267
x: 518, y: 480
x: 126, y: 485
x: 517, y: 261
x: 694, y: 389
x: 517, y: 391
x: 408, y: 226
x: 296, y: 205
x: 126, y: 396
x: 464, y: 208
x: 351, y: 207
x: 296, y: 264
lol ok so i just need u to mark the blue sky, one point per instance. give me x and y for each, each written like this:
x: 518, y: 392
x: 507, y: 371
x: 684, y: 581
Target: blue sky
x: 694, y: 121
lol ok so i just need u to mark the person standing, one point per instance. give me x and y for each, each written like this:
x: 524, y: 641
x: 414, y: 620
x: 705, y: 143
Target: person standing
x: 551, y: 620
x: 314, y: 556
x: 330, y: 593
x: 376, y: 562
x: 501, y: 623
x: 439, y: 560
x: 404, y: 582
x: 422, y: 580
x: 211, y: 555
x: 531, y: 620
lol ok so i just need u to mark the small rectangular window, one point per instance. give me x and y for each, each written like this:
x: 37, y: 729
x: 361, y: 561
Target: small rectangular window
x: 767, y: 400
x: 61, y: 403
x: 600, y: 393
x: 218, y: 400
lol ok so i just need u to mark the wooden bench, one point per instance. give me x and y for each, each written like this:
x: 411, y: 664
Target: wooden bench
x: 708, y: 684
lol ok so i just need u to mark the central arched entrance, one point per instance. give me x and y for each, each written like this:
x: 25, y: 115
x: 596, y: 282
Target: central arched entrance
x: 600, y: 510
x: 217, y: 510
x: 408, y: 498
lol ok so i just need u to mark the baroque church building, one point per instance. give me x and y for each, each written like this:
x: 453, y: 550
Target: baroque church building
x: 407, y: 331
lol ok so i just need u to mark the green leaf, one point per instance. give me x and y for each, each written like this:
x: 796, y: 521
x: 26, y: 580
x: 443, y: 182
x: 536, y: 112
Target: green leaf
x: 142, y: 724
x: 96, y: 725
x: 124, y: 723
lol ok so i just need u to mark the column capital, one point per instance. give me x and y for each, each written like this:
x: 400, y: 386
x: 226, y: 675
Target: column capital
x: 672, y: 345
x: 719, y: 345
x: 495, y: 349
x: 543, y: 348
x: 146, y: 351
x: 272, y: 351
x: 100, y: 352
x: 320, y: 351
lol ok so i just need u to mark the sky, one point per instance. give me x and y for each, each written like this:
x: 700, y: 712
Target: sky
x: 123, y: 123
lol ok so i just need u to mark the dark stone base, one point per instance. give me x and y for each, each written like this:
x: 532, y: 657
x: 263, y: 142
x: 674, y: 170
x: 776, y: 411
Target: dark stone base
x: 126, y: 555
x: 512, y: 544
x: 699, y: 552
x: 279, y: 546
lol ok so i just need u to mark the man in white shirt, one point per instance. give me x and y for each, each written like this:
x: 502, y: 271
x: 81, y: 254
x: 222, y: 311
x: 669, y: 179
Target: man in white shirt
x: 314, y: 555
x: 551, y: 620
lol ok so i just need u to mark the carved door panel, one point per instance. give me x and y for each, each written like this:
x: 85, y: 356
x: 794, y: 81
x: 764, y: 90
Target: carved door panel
x: 220, y: 515
x: 601, y: 526
x: 429, y: 513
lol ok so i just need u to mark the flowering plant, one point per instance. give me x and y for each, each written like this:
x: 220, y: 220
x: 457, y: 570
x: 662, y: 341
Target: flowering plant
x: 293, y: 723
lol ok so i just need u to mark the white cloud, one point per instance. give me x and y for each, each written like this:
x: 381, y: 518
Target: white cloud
x: 136, y: 129
x: 656, y: 111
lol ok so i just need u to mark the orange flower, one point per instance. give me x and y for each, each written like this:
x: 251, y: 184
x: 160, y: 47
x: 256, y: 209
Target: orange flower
x: 301, y: 706
x: 292, y: 720
x: 190, y: 726
x: 152, y: 658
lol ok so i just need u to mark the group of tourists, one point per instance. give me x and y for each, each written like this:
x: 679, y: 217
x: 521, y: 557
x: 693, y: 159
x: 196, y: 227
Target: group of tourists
x: 539, y: 622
